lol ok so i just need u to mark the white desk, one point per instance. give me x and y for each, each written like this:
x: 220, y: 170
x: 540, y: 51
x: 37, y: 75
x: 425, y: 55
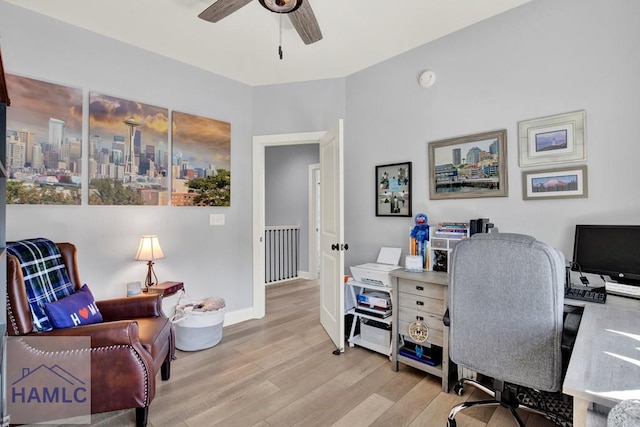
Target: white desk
x: 605, y: 362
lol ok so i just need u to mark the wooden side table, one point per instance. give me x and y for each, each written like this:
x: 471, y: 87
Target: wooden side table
x: 165, y: 288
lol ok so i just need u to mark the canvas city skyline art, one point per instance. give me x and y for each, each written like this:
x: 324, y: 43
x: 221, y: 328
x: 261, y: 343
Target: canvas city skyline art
x: 201, y: 171
x: 128, y: 152
x: 44, y: 142
x: 129, y: 160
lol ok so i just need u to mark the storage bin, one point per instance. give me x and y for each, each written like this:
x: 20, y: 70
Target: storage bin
x: 169, y: 304
x: 198, y: 329
x: 375, y: 332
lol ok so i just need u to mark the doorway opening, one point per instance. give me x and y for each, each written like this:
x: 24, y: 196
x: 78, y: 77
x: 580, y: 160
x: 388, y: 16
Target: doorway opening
x: 332, y: 245
x: 259, y: 145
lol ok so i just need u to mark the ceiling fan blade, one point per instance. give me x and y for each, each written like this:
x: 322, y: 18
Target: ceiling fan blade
x: 305, y: 23
x: 221, y: 9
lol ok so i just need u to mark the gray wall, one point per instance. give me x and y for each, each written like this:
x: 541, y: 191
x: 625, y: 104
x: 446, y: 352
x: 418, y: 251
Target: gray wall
x: 211, y: 260
x: 545, y: 57
x: 298, y: 107
x: 287, y: 190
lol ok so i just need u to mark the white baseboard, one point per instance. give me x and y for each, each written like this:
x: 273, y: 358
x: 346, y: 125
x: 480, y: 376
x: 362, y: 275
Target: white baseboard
x: 305, y: 275
x: 238, y: 316
x: 301, y: 275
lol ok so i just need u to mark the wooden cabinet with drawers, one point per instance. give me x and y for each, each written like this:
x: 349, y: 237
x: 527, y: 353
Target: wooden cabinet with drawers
x: 421, y: 296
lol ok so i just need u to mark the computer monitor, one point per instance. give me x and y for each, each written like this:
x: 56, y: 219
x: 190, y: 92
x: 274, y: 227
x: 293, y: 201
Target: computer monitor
x: 609, y: 250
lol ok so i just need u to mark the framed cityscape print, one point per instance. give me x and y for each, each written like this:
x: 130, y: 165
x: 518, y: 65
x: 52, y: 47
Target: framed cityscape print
x: 128, y: 152
x: 553, y: 139
x: 559, y: 183
x: 44, y: 143
x: 469, y: 166
x: 201, y: 161
x: 393, y: 189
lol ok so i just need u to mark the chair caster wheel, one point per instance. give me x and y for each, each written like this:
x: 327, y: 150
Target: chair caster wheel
x: 459, y: 390
x: 451, y: 423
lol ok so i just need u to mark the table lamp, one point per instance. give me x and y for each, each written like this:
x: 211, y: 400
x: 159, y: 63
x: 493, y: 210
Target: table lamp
x: 149, y: 251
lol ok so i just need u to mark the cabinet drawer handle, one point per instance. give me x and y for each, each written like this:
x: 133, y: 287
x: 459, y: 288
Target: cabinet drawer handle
x: 420, y: 318
x: 420, y: 288
x: 419, y: 303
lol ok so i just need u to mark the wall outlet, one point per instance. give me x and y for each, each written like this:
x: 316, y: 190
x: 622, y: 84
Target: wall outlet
x: 216, y: 219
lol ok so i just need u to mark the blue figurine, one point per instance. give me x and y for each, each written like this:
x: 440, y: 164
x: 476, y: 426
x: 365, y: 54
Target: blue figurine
x: 420, y: 231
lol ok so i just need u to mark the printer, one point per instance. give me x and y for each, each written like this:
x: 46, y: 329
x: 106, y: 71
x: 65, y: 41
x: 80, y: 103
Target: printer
x: 377, y: 273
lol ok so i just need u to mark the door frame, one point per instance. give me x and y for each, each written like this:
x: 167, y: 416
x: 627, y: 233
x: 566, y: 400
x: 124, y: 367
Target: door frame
x: 260, y: 142
x: 314, y: 226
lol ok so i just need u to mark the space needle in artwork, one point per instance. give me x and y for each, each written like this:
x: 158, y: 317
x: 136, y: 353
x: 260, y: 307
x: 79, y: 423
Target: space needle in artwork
x: 129, y: 168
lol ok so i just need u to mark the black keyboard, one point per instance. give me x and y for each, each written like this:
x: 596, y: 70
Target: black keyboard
x: 585, y: 295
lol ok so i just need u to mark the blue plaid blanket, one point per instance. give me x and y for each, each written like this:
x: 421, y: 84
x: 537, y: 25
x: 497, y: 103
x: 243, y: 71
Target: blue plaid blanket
x: 45, y: 276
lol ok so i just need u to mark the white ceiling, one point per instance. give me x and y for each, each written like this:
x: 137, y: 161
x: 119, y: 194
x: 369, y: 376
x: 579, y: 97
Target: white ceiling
x: 244, y: 45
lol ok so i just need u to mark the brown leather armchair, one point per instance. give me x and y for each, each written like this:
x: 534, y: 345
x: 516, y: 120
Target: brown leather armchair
x: 135, y: 341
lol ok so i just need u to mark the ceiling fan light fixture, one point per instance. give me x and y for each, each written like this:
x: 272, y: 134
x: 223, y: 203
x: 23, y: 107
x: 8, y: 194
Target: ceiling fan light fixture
x: 281, y: 6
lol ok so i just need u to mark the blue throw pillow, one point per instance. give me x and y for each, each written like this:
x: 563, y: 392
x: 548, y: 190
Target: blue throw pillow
x: 76, y: 309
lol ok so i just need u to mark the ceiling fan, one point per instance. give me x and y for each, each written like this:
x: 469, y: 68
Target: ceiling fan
x: 299, y: 11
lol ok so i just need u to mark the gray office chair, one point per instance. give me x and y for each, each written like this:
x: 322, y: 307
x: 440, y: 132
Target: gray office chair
x: 505, y: 320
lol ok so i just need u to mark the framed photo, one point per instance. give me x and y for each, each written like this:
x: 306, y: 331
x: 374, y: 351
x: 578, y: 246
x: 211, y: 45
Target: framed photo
x: 469, y: 166
x: 393, y: 189
x: 554, y: 139
x: 559, y: 183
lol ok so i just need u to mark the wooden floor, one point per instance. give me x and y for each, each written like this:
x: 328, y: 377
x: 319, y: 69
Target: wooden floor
x: 280, y: 371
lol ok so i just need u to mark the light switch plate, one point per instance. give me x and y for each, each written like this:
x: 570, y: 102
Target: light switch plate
x: 216, y: 219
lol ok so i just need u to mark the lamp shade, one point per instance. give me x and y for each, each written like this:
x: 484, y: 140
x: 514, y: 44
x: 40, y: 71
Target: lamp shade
x: 149, y: 249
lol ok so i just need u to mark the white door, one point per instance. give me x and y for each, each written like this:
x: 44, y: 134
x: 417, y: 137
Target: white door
x: 332, y: 236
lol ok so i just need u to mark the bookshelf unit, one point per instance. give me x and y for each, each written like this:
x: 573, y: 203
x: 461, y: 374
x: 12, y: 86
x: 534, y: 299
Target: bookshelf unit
x: 442, y: 240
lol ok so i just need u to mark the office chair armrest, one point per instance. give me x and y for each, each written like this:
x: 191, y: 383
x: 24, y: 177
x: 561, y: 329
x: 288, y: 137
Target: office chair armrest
x: 145, y: 305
